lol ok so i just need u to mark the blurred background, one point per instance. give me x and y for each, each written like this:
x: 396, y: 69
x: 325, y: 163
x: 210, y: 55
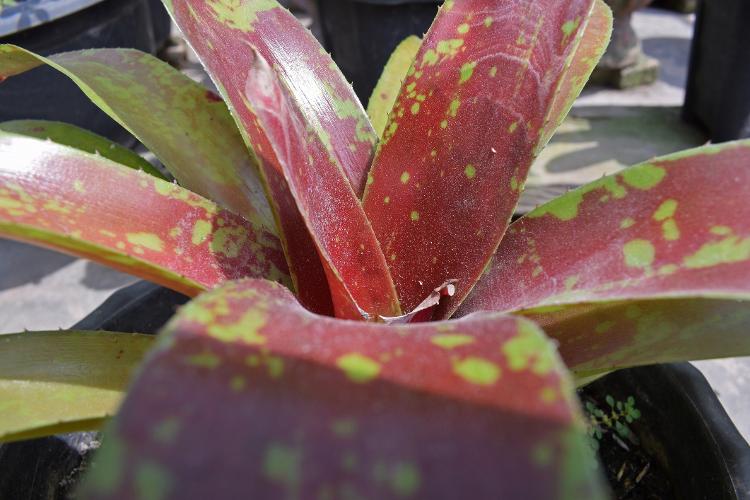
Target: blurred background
x: 676, y: 75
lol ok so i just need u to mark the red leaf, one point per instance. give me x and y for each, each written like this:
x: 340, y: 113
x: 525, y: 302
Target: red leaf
x: 82, y: 204
x: 675, y: 226
x: 462, y: 136
x: 358, y: 275
x: 671, y: 235
x: 224, y: 34
x: 318, y: 405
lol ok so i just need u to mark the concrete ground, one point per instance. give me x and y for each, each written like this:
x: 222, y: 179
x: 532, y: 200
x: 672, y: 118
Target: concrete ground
x: 607, y: 130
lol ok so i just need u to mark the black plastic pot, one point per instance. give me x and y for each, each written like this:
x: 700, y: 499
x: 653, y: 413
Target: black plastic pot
x: 702, y: 450
x: 48, y: 468
x: 686, y: 429
x: 717, y: 96
x: 361, y: 34
x: 46, y: 94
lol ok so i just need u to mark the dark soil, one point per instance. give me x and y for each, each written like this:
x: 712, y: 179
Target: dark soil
x: 631, y: 465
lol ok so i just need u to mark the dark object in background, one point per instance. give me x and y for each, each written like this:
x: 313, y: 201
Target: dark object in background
x: 683, y: 426
x: 44, y: 93
x: 681, y: 6
x: 361, y: 34
x: 717, y: 97
x: 48, y: 468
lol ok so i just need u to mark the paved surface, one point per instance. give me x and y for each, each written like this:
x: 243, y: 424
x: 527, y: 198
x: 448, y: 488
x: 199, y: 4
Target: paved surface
x: 40, y: 289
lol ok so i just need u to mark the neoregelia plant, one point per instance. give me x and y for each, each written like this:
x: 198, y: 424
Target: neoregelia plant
x: 321, y: 361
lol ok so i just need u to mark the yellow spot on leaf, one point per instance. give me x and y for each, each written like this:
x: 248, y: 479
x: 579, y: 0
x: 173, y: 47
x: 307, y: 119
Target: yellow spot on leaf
x: 358, y: 367
x: 467, y: 70
x: 626, y: 223
x: 229, y: 241
x: 729, y: 250
x: 665, y: 210
x: 78, y: 186
x: 405, y: 177
x: 638, y: 253
x: 529, y: 350
x: 451, y: 340
x: 453, y: 109
x: 721, y: 230
x: 470, y: 171
x: 201, y: 231
x: 414, y: 215
x: 477, y: 370
x: 644, y: 176
x: 463, y: 28
x: 146, y: 240
x: 670, y: 231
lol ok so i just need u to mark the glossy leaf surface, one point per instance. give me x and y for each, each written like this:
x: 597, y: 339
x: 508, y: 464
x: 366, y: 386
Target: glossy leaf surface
x: 52, y: 382
x: 358, y: 275
x: 386, y: 91
x: 78, y: 138
x: 185, y: 125
x: 85, y: 205
x: 321, y: 406
x: 224, y: 34
x: 462, y: 136
x: 677, y: 227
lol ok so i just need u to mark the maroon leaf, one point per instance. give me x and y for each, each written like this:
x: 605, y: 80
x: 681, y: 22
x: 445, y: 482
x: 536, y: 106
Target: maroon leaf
x: 471, y: 114
x: 83, y: 204
x: 358, y: 275
x: 476, y: 408
x: 649, y: 265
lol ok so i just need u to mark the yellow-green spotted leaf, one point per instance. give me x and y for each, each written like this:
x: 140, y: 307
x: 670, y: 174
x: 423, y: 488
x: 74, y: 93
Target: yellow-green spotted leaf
x: 649, y: 265
x: 386, y: 91
x: 186, y: 126
x: 476, y: 408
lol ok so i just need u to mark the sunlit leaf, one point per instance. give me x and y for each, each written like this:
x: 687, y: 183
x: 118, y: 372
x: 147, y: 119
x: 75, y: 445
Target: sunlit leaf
x: 224, y: 34
x: 323, y: 407
x: 88, y: 206
x: 185, y: 125
x: 78, y: 138
x: 649, y: 265
x: 463, y: 134
x: 386, y: 91
x: 358, y: 275
x: 52, y: 382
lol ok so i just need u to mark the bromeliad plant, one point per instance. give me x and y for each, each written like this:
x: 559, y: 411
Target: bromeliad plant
x: 323, y: 361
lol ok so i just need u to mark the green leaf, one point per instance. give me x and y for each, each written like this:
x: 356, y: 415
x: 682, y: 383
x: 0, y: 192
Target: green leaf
x: 78, y: 138
x: 320, y: 406
x: 54, y: 382
x: 488, y: 81
x: 88, y: 206
x: 646, y: 266
x: 185, y: 125
x: 386, y: 91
